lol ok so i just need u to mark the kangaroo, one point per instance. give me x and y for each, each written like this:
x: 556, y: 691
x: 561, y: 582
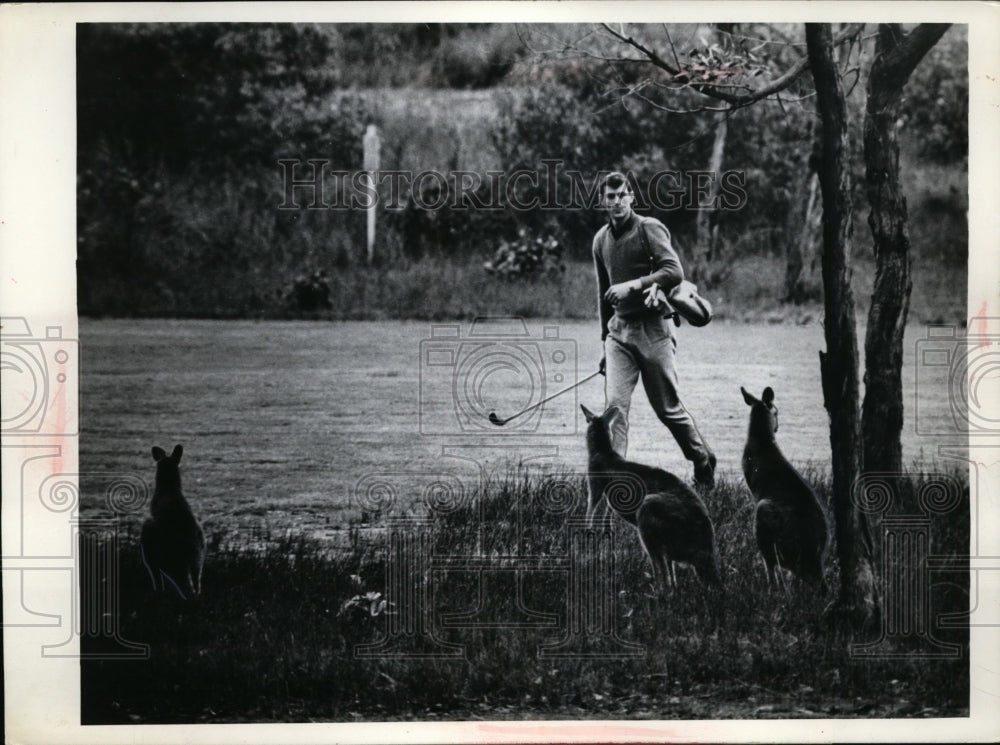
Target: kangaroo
x: 671, y: 519
x: 172, y: 542
x: 789, y: 523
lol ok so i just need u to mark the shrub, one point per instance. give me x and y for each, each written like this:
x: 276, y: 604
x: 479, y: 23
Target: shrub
x: 479, y: 58
x: 180, y: 130
x: 526, y: 258
x: 935, y: 109
x: 310, y: 292
x: 204, y: 92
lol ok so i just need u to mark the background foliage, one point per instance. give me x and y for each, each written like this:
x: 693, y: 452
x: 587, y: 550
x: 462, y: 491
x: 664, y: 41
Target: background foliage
x: 181, y: 127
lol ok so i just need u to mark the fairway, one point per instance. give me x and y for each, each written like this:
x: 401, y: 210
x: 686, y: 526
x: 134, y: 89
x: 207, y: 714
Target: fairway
x: 283, y: 422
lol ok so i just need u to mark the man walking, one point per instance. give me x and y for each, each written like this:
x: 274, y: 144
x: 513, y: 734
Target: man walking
x: 633, y: 257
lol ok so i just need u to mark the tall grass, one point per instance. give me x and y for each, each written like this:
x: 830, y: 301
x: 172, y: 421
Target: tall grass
x: 276, y: 634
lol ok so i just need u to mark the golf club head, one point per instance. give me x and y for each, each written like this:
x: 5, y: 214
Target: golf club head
x: 494, y: 419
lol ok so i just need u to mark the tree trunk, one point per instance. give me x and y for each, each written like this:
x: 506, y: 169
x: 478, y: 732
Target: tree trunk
x: 800, y: 249
x: 704, y: 241
x: 705, y: 234
x: 896, y: 55
x: 857, y: 600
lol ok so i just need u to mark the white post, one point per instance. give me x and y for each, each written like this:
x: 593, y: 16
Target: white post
x: 372, y: 147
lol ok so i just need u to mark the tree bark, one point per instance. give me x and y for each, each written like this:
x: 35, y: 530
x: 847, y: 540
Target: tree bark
x: 800, y: 249
x: 706, y: 232
x: 896, y: 56
x: 704, y: 251
x: 857, y: 600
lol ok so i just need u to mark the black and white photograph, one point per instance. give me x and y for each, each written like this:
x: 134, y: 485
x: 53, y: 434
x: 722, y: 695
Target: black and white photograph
x: 536, y: 372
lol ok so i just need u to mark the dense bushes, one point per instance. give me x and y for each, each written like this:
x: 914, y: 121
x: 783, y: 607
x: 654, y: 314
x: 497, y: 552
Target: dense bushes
x: 182, y: 126
x: 767, y: 146
x: 478, y: 59
x: 190, y: 95
x: 435, y: 55
x: 527, y: 258
x: 935, y: 111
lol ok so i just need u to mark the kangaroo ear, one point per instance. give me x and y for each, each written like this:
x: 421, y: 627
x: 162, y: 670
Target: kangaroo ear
x: 178, y: 452
x: 611, y: 413
x: 747, y: 397
x: 768, y: 396
x: 158, y: 454
x: 588, y: 414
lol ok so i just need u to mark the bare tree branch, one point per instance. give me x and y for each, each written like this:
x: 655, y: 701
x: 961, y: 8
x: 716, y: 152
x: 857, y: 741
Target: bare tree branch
x: 798, y: 46
x: 673, y: 49
x: 735, y: 100
x: 671, y: 110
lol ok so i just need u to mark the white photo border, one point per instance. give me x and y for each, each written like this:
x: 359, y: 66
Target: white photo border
x: 38, y: 280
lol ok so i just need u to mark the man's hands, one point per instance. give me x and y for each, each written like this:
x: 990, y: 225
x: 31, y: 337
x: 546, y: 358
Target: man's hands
x: 655, y: 298
x: 603, y: 365
x: 617, y: 293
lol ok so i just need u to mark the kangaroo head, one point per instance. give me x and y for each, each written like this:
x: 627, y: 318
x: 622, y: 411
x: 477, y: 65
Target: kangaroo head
x: 763, y: 412
x: 599, y: 427
x: 168, y: 466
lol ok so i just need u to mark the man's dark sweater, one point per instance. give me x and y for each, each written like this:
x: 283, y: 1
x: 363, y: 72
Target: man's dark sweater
x: 621, y: 255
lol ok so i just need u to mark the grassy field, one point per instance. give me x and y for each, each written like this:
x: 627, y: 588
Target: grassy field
x: 295, y: 432
x: 279, y: 634
x: 282, y: 421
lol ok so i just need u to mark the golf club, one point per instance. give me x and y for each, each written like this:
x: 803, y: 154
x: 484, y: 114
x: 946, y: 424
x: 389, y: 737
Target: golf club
x: 500, y: 422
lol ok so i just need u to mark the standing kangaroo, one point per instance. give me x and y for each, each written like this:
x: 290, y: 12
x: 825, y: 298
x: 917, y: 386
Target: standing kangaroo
x: 670, y: 517
x: 172, y: 542
x: 789, y: 522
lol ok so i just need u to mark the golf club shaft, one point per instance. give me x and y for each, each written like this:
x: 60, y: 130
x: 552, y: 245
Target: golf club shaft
x: 554, y: 395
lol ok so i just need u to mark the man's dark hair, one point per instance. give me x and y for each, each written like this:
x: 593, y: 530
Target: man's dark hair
x: 614, y: 180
